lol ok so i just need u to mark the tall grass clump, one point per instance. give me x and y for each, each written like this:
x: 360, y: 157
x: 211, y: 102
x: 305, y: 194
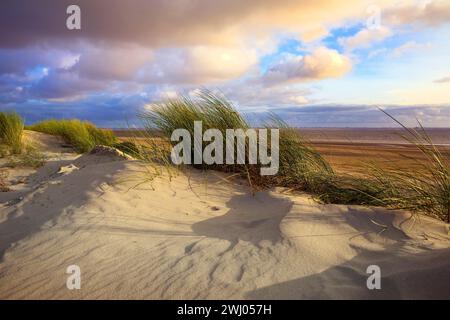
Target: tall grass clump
x: 82, y: 135
x: 302, y: 168
x: 100, y: 136
x: 300, y: 165
x: 11, y: 130
x: 426, y: 188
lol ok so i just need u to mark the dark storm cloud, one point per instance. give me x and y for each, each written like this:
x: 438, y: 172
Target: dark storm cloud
x: 156, y: 22
x: 19, y: 60
x: 64, y: 84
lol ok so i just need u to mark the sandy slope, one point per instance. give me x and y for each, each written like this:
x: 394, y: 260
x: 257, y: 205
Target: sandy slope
x: 195, y: 236
x: 54, y: 149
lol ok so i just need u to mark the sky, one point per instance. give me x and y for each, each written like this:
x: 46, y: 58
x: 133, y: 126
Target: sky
x: 322, y: 63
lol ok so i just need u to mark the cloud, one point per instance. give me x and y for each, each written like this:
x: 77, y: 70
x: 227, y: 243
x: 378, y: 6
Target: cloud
x: 409, y: 46
x: 442, y: 80
x: 161, y: 23
x: 157, y: 41
x: 175, y: 42
x: 18, y: 61
x: 322, y: 63
x: 260, y: 97
x: 119, y: 111
x: 88, y: 68
x: 363, y: 116
x: 132, y: 51
x: 314, y: 33
x: 61, y: 84
x: 113, y: 111
x: 405, y: 48
x: 197, y: 65
x: 118, y: 63
x: 431, y: 13
x: 365, y: 38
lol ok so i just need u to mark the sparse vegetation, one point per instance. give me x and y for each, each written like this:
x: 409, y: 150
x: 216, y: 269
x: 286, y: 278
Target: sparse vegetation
x: 30, y: 158
x: 128, y: 147
x: 17, y: 152
x: 82, y: 135
x: 3, y: 183
x: 11, y: 130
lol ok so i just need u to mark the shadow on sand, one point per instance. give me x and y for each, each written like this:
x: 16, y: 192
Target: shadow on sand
x: 249, y: 218
x: 404, y: 274
x: 48, y: 201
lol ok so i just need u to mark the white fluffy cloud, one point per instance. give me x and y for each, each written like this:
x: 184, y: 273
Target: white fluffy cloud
x: 198, y: 65
x: 430, y: 13
x: 112, y: 62
x: 365, y: 38
x: 261, y: 97
x: 322, y: 63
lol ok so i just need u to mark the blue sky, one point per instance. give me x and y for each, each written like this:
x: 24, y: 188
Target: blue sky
x: 321, y: 63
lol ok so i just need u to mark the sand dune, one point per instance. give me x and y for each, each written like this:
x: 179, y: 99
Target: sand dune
x: 195, y: 236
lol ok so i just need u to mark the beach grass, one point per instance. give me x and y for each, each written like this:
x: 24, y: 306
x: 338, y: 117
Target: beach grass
x: 424, y: 188
x: 300, y: 165
x: 11, y: 130
x: 82, y: 135
x: 302, y: 168
x: 30, y: 157
x: 129, y: 147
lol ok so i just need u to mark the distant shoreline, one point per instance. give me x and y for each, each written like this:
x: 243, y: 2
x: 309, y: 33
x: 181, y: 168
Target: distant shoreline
x: 440, y: 136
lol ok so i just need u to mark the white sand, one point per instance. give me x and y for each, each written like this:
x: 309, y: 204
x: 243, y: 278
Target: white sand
x: 197, y: 237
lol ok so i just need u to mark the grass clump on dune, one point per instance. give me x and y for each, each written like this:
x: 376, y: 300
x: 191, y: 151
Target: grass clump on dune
x: 11, y: 130
x: 426, y: 188
x: 300, y: 166
x: 82, y: 135
x: 19, y: 153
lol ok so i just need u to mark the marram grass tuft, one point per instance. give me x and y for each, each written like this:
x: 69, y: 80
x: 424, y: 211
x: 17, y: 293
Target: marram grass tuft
x: 11, y: 130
